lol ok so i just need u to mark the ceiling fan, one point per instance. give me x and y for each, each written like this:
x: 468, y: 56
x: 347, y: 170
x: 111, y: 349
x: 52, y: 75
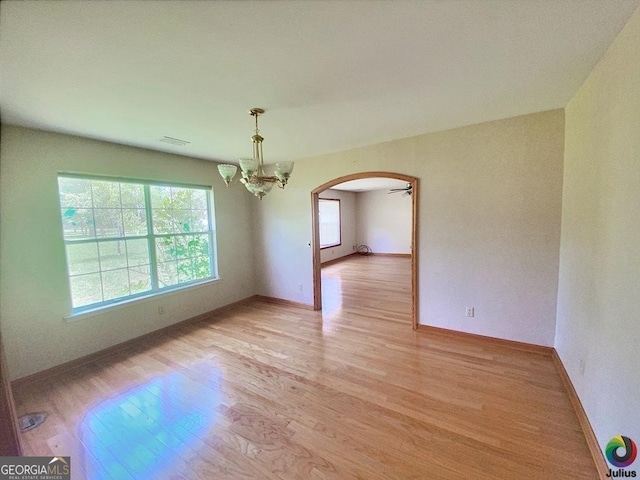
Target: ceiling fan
x: 407, y: 190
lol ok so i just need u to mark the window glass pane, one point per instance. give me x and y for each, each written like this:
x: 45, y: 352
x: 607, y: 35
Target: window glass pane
x: 200, y: 220
x: 77, y: 223
x: 106, y: 194
x: 108, y: 222
x: 167, y: 273
x: 115, y: 284
x: 85, y: 290
x: 165, y: 249
x: 135, y: 222
x: 181, y: 197
x: 140, y: 279
x: 179, y: 210
x: 329, y: 222
x: 199, y: 200
x: 184, y: 220
x: 199, y: 245
x: 137, y: 252
x: 82, y: 258
x: 112, y: 255
x: 201, y: 267
x: 176, y: 221
x: 132, y: 195
x: 160, y: 196
x: 75, y: 192
x: 164, y: 222
x: 182, y: 246
x: 185, y: 270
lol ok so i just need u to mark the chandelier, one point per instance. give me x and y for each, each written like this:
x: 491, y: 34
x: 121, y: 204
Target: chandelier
x: 253, y: 174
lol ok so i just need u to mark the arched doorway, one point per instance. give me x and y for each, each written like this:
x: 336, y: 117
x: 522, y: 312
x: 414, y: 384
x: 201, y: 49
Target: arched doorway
x: 317, y: 279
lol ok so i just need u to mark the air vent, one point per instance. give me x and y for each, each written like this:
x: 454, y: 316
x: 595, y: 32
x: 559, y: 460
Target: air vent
x: 174, y: 141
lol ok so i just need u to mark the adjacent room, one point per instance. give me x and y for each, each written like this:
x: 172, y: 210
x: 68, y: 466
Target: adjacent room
x: 292, y: 240
x: 365, y: 232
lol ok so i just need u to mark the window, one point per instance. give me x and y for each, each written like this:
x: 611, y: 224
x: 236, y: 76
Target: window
x: 329, y: 215
x: 130, y: 238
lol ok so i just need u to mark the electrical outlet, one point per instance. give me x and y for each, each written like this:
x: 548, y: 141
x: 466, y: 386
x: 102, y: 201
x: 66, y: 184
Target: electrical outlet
x: 300, y: 287
x: 471, y: 312
x: 161, y: 311
x: 583, y: 365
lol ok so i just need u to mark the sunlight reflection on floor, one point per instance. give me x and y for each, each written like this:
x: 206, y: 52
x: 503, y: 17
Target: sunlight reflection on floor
x: 141, y: 433
x: 331, y: 301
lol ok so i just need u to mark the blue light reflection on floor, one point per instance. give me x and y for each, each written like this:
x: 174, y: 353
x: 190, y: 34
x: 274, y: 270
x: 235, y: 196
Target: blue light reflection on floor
x: 331, y: 297
x: 141, y: 433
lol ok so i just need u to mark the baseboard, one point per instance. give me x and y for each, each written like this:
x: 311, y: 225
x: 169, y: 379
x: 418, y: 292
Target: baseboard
x: 336, y: 260
x: 589, y: 435
x: 345, y: 257
x: 526, y: 347
x: 92, y: 357
x: 282, y: 301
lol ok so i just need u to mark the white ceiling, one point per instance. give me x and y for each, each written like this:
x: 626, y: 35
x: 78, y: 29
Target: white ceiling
x: 332, y: 75
x: 367, y: 184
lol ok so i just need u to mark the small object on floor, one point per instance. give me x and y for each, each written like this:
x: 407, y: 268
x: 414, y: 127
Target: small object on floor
x: 31, y: 420
x: 364, y: 250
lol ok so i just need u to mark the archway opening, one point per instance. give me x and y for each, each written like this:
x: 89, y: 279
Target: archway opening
x: 317, y: 263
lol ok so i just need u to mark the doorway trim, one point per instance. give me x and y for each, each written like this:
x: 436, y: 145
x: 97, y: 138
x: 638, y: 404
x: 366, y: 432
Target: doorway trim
x: 317, y: 275
x: 10, y: 444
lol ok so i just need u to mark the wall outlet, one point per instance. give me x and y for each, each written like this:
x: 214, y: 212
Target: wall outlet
x: 300, y: 287
x: 583, y: 365
x: 161, y: 311
x: 471, y: 312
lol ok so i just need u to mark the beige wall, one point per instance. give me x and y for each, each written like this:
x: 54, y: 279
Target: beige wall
x: 489, y: 223
x: 598, y: 323
x: 34, y: 292
x: 384, y: 221
x: 348, y: 224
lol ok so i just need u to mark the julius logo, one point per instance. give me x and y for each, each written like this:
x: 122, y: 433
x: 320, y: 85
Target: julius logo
x: 621, y: 452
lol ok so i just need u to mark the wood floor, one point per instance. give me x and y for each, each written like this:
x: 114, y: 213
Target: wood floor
x: 269, y: 391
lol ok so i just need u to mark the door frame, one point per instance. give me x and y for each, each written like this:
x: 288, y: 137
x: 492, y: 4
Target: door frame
x: 317, y: 276
x: 10, y: 445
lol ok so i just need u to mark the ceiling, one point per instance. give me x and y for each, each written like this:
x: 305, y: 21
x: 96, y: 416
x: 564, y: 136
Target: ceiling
x: 367, y: 184
x: 331, y: 75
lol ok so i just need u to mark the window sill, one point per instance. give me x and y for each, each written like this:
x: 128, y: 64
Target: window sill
x: 331, y: 246
x: 75, y: 317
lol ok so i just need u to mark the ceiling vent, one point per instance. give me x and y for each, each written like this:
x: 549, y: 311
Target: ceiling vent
x: 174, y: 141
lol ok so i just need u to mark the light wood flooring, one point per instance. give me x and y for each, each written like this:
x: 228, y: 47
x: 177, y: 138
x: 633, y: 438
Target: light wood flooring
x: 268, y: 391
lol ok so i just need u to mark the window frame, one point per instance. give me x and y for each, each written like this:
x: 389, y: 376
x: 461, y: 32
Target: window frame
x: 333, y: 245
x: 151, y: 238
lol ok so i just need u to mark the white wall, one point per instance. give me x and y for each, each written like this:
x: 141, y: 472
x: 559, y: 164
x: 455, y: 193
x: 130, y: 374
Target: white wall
x: 34, y: 292
x: 489, y: 223
x: 348, y: 221
x: 384, y: 221
x: 598, y: 321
